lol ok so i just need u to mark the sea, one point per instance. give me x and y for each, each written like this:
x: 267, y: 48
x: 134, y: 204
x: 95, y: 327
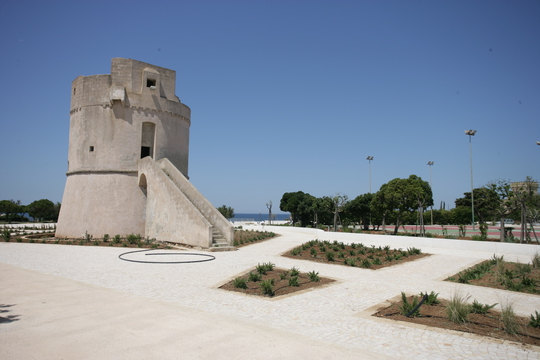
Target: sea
x: 260, y: 217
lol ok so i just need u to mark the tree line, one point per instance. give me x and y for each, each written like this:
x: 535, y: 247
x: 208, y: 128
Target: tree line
x: 405, y: 201
x: 40, y: 210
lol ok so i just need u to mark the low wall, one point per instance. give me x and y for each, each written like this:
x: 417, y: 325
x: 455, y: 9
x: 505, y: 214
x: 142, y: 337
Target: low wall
x: 213, y: 216
x: 170, y: 215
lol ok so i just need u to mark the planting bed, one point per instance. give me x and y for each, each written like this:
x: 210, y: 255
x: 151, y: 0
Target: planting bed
x: 355, y: 254
x: 489, y: 324
x: 500, y: 274
x: 247, y: 237
x: 265, y: 280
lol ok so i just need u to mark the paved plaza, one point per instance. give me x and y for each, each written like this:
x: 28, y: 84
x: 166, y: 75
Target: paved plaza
x: 85, y: 303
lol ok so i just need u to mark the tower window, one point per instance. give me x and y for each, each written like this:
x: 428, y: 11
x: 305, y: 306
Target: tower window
x: 151, y: 83
x: 91, y: 148
x: 74, y: 91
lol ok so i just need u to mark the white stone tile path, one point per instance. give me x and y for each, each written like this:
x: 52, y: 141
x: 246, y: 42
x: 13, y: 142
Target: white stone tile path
x: 335, y: 314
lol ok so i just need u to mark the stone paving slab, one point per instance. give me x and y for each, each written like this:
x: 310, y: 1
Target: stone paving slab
x: 335, y: 314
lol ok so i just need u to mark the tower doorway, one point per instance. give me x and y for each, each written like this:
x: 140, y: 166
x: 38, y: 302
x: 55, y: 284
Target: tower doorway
x: 147, y: 139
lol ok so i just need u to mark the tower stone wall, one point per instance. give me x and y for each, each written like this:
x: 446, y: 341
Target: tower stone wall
x: 115, y: 120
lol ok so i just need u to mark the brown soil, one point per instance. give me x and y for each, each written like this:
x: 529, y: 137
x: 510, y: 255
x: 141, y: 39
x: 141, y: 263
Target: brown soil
x: 485, y: 325
x: 281, y: 287
x: 370, y: 254
x: 511, y: 281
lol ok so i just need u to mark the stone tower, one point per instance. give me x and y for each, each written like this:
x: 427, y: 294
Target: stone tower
x: 128, y: 161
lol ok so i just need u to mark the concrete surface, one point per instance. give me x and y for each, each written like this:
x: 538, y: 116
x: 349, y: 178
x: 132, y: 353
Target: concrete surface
x: 83, y: 302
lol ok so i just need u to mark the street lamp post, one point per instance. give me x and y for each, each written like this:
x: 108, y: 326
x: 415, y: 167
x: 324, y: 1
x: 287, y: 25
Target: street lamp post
x: 430, y: 164
x: 369, y: 158
x: 471, y: 134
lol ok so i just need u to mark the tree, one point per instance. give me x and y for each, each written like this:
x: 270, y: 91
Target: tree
x: 359, y: 210
x: 486, y: 203
x: 525, y: 198
x: 10, y: 208
x: 226, y: 211
x: 269, y: 207
x: 401, y: 196
x: 43, y: 210
x: 338, y: 202
x: 299, y: 204
x: 504, y: 206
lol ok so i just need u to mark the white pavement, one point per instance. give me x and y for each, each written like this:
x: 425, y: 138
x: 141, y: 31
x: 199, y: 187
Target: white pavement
x: 177, y: 310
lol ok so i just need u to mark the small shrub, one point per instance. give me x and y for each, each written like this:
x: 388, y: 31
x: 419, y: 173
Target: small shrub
x: 106, y: 238
x: 267, y: 288
x: 366, y: 263
x: 350, y: 262
x: 479, y: 308
x: 284, y: 275
x: 413, y: 251
x: 406, y: 308
x: 313, y: 252
x: 296, y: 251
x: 314, y: 276
x: 431, y: 298
x: 295, y: 272
x: 6, y: 235
x: 457, y: 309
x: 330, y: 256
x: 254, y: 277
x: 535, y: 320
x: 240, y: 283
x: 293, y: 281
x: 117, y: 239
x: 264, y: 268
x: 508, y: 319
x: 536, y: 261
x: 377, y: 261
x: 87, y: 237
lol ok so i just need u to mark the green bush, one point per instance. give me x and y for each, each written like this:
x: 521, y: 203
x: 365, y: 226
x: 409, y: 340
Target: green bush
x: 535, y: 320
x: 406, y: 308
x: 509, y: 319
x: 254, y: 277
x: 106, y: 238
x: 267, y: 288
x: 240, y: 283
x: 295, y: 272
x: 431, y: 298
x: 314, y: 276
x: 313, y: 252
x: 479, y: 308
x: 6, y: 235
x: 330, y: 256
x: 293, y: 281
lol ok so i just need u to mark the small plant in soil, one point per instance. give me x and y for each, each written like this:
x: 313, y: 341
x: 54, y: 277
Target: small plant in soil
x: 295, y: 272
x: 293, y: 281
x: 314, y: 276
x: 254, y: 276
x: 479, y: 308
x: 457, y: 309
x: 509, y: 319
x: 535, y: 320
x: 407, y: 307
x: 267, y: 287
x: 431, y: 298
x: 240, y: 283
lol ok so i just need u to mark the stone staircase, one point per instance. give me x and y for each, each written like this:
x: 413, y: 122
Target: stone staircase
x: 219, y: 242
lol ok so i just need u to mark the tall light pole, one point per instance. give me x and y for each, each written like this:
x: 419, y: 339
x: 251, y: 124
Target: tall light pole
x: 430, y: 164
x: 471, y: 134
x: 369, y: 158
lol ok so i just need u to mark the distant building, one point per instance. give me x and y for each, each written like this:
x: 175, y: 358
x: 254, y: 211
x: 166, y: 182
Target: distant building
x: 128, y: 161
x: 522, y: 185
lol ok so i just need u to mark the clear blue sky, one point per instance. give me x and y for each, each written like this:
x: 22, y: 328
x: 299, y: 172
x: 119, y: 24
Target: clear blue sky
x: 288, y: 95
